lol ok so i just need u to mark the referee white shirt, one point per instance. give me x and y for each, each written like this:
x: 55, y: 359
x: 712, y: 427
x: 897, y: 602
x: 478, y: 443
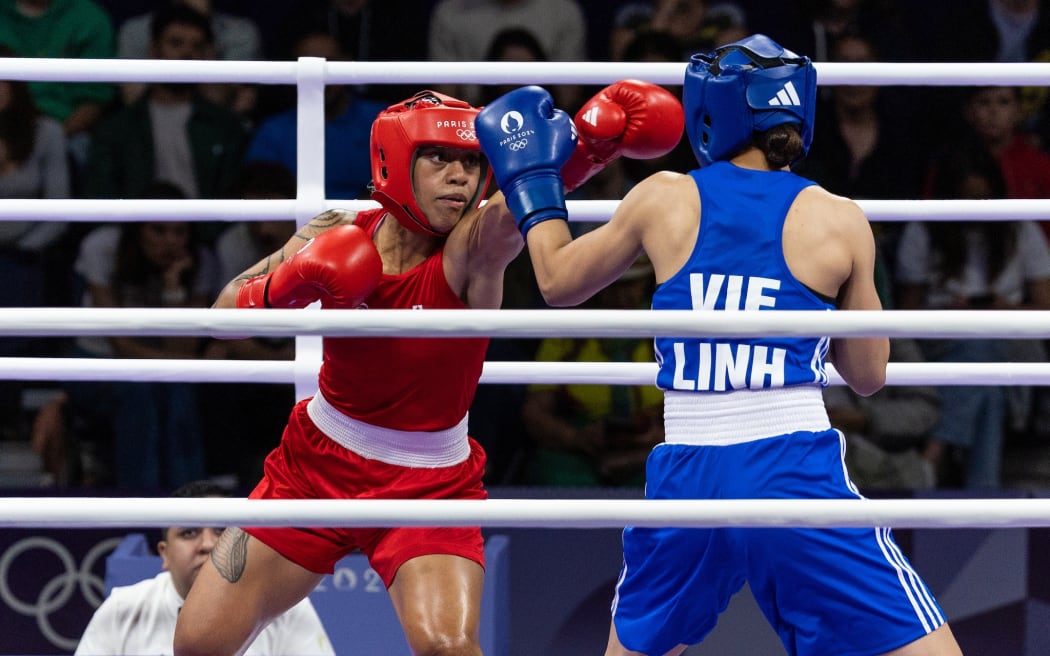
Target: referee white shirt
x: 140, y: 619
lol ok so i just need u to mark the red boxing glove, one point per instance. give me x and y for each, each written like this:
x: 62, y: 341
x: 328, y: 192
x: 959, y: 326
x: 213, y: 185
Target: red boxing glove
x: 636, y: 119
x: 340, y: 266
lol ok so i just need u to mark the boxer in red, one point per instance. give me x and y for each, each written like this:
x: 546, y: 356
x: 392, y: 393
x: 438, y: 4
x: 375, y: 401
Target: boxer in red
x: 389, y: 419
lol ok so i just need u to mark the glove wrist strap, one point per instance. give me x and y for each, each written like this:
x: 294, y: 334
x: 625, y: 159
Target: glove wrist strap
x: 253, y: 293
x: 536, y: 198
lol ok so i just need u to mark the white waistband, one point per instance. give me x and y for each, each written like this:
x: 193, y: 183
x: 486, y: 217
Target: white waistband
x: 742, y: 415
x: 442, y: 448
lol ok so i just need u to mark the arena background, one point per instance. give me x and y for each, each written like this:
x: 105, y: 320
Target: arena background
x: 993, y: 584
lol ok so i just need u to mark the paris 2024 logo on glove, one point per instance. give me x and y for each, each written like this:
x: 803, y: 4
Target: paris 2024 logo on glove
x: 512, y: 123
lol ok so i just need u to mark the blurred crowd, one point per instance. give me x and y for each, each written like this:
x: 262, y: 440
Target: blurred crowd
x: 238, y: 141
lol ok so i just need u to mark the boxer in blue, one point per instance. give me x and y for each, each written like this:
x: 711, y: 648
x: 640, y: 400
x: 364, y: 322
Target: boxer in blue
x: 744, y: 418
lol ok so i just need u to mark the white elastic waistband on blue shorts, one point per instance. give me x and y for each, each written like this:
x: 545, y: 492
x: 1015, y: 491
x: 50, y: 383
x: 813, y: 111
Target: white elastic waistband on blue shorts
x: 743, y: 415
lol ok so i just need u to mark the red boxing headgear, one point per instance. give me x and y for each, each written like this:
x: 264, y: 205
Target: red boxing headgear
x: 426, y: 119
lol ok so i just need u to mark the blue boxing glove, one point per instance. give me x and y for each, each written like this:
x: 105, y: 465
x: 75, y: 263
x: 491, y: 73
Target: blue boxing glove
x: 526, y: 141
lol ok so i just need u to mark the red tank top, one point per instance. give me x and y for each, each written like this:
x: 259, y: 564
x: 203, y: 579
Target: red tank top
x: 404, y: 383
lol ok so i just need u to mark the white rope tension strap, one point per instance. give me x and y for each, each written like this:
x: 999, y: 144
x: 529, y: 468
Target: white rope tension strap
x: 947, y: 324
x: 524, y: 513
x: 548, y: 373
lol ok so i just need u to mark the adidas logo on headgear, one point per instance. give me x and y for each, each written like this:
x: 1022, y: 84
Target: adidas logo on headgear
x: 787, y: 96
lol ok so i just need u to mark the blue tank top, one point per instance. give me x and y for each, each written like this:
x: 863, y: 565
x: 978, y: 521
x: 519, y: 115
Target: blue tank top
x: 738, y: 263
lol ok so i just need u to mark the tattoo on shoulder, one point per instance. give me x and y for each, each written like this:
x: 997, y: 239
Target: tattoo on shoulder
x: 230, y: 555
x: 331, y: 218
x: 305, y: 233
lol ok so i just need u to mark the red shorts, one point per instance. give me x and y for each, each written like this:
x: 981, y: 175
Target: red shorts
x: 309, y: 465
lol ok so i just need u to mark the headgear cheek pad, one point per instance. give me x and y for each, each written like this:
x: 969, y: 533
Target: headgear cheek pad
x: 426, y: 119
x: 745, y: 87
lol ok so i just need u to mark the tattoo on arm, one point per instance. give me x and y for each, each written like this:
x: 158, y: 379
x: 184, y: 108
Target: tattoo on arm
x: 329, y: 219
x: 311, y: 229
x: 230, y: 555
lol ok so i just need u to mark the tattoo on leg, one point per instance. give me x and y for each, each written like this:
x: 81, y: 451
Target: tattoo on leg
x: 231, y: 554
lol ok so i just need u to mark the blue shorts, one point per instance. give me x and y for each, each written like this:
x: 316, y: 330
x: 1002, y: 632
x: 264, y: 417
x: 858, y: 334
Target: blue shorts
x: 848, y: 592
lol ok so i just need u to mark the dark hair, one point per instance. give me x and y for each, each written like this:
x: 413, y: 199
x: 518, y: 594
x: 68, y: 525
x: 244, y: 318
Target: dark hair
x: 782, y: 145
x: 265, y: 179
x: 177, y: 12
x: 969, y: 93
x: 509, y: 38
x: 966, y: 158
x: 853, y: 33
x: 301, y: 40
x: 653, y: 43
x: 18, y: 119
x: 163, y: 190
x: 951, y: 169
x: 195, y: 490
x: 515, y: 36
x: 136, y: 280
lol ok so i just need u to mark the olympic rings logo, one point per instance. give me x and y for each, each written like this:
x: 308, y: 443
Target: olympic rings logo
x: 466, y: 135
x: 56, y: 593
x: 518, y: 145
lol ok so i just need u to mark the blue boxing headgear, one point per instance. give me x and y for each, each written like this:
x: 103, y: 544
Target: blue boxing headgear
x: 745, y: 87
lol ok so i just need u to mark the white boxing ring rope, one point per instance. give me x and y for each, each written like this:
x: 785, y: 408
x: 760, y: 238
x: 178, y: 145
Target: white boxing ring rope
x: 943, y: 324
x: 506, y: 373
x: 525, y: 513
x: 506, y: 323
x: 90, y: 210
x: 426, y: 72
x: 310, y: 75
